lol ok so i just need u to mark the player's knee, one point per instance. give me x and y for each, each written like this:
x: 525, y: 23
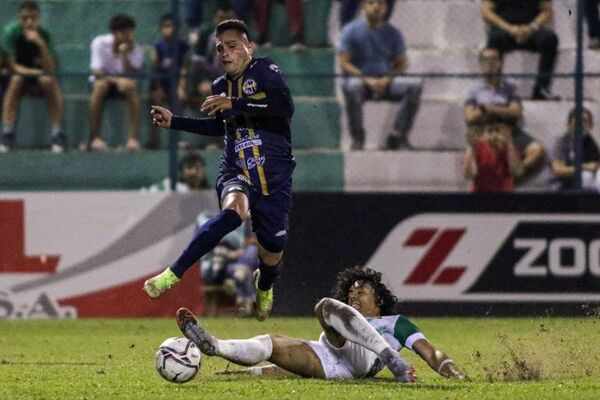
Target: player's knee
x: 16, y: 82
x: 269, y: 258
x: 100, y: 88
x: 323, y: 305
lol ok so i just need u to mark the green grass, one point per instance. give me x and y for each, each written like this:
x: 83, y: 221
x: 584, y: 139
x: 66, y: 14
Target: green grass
x: 554, y: 358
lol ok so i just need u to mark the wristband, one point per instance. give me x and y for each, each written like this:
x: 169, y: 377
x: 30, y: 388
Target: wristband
x: 446, y: 361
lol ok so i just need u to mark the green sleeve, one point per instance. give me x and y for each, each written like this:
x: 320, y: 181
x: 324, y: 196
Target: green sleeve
x: 403, y: 329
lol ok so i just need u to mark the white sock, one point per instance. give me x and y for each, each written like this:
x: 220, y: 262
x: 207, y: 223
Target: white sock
x: 55, y: 130
x: 353, y: 326
x: 246, y: 352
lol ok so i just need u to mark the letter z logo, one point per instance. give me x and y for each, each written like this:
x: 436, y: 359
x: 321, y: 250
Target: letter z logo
x: 440, y: 242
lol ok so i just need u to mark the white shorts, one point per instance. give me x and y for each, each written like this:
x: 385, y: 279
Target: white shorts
x: 350, y: 361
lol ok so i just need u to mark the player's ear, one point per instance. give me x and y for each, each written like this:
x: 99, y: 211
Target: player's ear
x: 251, y: 47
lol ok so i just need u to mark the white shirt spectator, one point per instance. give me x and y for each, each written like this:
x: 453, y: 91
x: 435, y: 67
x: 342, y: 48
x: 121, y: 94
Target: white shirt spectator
x: 105, y: 60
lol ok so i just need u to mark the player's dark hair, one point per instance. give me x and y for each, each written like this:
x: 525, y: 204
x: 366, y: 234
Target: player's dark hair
x: 584, y: 110
x: 345, y: 279
x: 232, y: 25
x: 29, y: 6
x: 168, y: 17
x: 121, y: 22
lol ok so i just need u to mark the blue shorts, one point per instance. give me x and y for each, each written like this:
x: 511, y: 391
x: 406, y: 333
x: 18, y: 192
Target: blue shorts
x: 270, y: 214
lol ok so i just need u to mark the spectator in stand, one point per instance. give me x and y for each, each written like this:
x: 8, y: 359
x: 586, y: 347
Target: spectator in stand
x: 592, y: 17
x: 231, y: 265
x: 195, y: 15
x: 563, y: 156
x: 493, y: 98
x: 32, y: 62
x: 349, y: 8
x: 492, y: 160
x: 191, y: 176
x: 521, y: 24
x: 162, y: 55
x: 205, y: 65
x: 295, y: 12
x: 116, y: 58
x: 372, y: 56
x: 4, y: 73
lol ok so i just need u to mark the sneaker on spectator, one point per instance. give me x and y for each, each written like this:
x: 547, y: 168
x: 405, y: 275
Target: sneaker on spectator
x: 594, y: 43
x: 98, y: 145
x: 298, y: 46
x: 59, y: 142
x: 544, y: 94
x: 133, y: 144
x: 397, y: 143
x: 7, y: 140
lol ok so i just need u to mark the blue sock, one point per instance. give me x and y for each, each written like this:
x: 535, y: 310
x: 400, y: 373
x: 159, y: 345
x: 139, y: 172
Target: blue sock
x: 205, y: 239
x: 268, y: 274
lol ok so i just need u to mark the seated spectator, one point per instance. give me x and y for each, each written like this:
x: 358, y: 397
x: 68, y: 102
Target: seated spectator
x: 163, y: 57
x: 295, y: 13
x: 231, y: 265
x: 520, y: 24
x: 492, y: 160
x: 563, y: 156
x: 4, y: 73
x: 349, y: 8
x: 191, y: 176
x: 205, y: 66
x: 592, y: 17
x: 116, y: 57
x: 493, y: 98
x: 372, y: 56
x: 32, y: 62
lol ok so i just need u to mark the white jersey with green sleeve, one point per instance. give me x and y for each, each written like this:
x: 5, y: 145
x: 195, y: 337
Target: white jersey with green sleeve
x: 397, y: 330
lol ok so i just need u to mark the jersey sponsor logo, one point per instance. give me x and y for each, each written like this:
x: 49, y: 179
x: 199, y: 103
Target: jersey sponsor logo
x: 249, y: 87
x: 281, y: 233
x: 493, y: 257
x: 257, y: 105
x: 275, y: 68
x: 245, y: 179
x: 250, y: 162
x: 247, y: 142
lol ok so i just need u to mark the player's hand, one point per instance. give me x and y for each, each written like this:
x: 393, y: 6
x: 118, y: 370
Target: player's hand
x: 214, y: 104
x: 33, y: 36
x: 161, y: 117
x: 410, y: 376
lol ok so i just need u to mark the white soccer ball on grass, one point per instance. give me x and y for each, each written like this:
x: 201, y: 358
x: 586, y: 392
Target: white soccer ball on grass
x: 178, y: 359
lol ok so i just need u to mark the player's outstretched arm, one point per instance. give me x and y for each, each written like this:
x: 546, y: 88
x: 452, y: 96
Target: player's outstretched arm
x: 437, y: 360
x: 163, y: 118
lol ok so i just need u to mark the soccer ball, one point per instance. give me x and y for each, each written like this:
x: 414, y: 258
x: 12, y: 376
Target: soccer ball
x: 177, y: 360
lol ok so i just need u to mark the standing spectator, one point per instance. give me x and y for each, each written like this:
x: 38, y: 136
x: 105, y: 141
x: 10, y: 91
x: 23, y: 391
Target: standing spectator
x: 520, y: 24
x: 372, y: 55
x: 592, y: 16
x: 496, y: 98
x: 163, y: 59
x: 563, y: 156
x: 295, y: 13
x: 116, y: 57
x: 32, y: 62
x: 349, y: 8
x: 492, y: 161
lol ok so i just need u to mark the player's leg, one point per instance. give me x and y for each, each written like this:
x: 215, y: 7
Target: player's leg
x: 128, y: 87
x: 51, y: 89
x: 342, y: 322
x: 10, y: 107
x: 270, y: 221
x: 100, y: 90
x: 235, y: 195
x: 291, y: 354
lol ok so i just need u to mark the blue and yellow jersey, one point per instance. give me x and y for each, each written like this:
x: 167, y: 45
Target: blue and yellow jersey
x: 257, y: 128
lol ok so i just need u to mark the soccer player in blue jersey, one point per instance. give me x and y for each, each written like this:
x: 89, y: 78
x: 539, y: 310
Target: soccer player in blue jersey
x: 361, y: 334
x: 251, y: 106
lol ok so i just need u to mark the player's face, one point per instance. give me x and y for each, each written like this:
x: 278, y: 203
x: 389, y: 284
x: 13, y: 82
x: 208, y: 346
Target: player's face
x: 234, y: 51
x: 362, y: 297
x: 193, y: 175
x: 29, y: 20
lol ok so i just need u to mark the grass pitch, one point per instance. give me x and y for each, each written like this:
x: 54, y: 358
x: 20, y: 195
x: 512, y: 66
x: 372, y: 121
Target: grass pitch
x: 554, y: 358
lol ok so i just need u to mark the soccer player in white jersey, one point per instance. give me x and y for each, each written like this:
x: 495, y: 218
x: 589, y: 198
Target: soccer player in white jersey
x: 361, y: 334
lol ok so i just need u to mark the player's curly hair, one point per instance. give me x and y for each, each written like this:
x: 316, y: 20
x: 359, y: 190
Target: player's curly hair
x: 346, y: 278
